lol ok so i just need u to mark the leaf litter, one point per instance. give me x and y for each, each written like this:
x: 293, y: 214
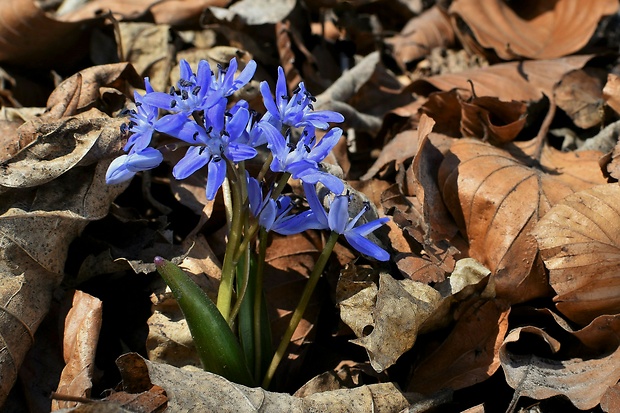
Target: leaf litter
x: 486, y: 130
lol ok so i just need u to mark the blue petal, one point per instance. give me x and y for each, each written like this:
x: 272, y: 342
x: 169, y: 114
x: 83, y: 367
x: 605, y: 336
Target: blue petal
x: 275, y: 140
x: 217, y: 174
x: 325, y: 116
x: 245, y: 76
x: 326, y: 144
x: 339, y: 214
x: 369, y: 227
x: 147, y: 85
x: 255, y: 195
x: 191, y: 162
x: 366, y: 247
x: 312, y: 176
x: 227, y: 83
x: 237, y: 124
x: 298, y: 223
x: 117, y: 171
x: 160, y: 100
x: 215, y: 116
x: 238, y: 152
x: 268, y: 100
x: 281, y: 90
x: 204, y: 78
x: 148, y: 158
x: 185, y: 69
x: 268, y: 215
x: 315, y: 205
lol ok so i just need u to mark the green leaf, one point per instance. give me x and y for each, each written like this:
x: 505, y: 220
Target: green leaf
x: 216, y: 344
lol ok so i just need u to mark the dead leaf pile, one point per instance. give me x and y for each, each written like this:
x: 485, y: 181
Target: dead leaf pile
x: 487, y: 130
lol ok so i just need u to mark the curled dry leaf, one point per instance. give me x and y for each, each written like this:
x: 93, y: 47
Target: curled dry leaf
x: 56, y: 147
x: 204, y: 391
x: 82, y: 326
x: 580, y: 95
x: 21, y: 39
x: 487, y: 118
x: 363, y: 94
x: 36, y: 228
x: 469, y: 355
x: 611, y: 91
x: 579, y: 241
x: 173, y: 12
x: 498, y: 195
x: 536, y: 30
x: 583, y: 379
x: 420, y: 35
x: 521, y: 81
x: 405, y: 308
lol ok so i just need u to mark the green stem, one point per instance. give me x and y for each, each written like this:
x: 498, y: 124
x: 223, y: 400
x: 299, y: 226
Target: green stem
x: 244, y: 287
x: 224, y: 296
x: 265, y: 168
x: 280, y: 187
x: 258, y: 296
x: 301, y: 307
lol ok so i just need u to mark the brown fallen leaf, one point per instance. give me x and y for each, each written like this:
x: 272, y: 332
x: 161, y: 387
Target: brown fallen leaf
x: 525, y: 81
x: 82, y: 326
x: 204, y: 391
x: 289, y: 261
x: 469, y: 355
x: 486, y: 118
x: 430, y: 29
x: 21, y: 41
x: 611, y: 91
x: 579, y: 241
x: 535, y: 30
x: 402, y: 309
x: 583, y: 381
x: 580, y: 95
x: 496, y: 197
x: 180, y: 13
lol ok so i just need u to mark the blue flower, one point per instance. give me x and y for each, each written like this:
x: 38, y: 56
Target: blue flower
x: 338, y: 221
x: 274, y: 215
x: 190, y: 94
x: 224, y: 83
x: 296, y: 111
x: 125, y: 166
x: 141, y: 122
x: 212, y: 144
x: 302, y: 159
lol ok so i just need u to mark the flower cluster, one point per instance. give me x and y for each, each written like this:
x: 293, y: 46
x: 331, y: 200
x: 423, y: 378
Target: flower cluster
x: 219, y: 136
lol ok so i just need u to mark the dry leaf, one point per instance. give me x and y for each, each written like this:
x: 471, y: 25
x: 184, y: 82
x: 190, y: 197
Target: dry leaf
x: 523, y: 81
x: 579, y: 242
x: 611, y: 91
x: 401, y: 309
x: 583, y: 381
x: 496, y: 199
x: 580, y: 95
x: 173, y: 12
x: 536, y: 30
x: 469, y: 355
x: 21, y: 41
x: 82, y: 326
x: 405, y: 308
x: 204, y: 391
x: 430, y: 29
